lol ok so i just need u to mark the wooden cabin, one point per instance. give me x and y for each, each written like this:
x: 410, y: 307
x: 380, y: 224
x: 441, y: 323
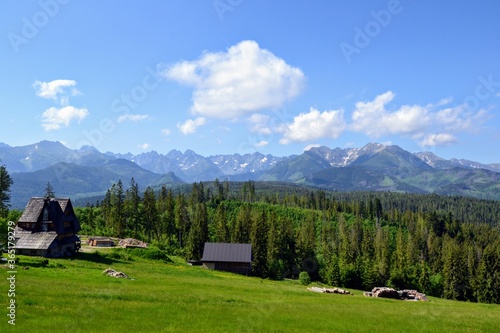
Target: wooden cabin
x: 48, y: 228
x: 235, y: 258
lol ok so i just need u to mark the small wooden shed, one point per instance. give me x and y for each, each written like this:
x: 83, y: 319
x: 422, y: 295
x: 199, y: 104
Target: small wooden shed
x: 235, y: 258
x: 101, y: 242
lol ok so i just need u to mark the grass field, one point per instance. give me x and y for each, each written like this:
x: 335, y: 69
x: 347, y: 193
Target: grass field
x: 75, y: 296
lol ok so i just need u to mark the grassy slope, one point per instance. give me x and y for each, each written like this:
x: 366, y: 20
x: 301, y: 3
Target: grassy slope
x: 179, y: 298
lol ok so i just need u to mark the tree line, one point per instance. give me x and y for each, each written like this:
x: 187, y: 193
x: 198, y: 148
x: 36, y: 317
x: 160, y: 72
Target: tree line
x: 355, y: 240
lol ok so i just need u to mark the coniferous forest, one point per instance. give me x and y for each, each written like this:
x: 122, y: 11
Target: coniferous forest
x: 443, y: 246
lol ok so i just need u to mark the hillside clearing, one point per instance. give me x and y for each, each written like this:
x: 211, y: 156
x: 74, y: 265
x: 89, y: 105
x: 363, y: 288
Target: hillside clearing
x: 75, y: 295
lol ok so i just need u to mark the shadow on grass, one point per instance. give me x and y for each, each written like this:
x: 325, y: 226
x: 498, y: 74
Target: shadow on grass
x: 96, y: 257
x: 37, y: 262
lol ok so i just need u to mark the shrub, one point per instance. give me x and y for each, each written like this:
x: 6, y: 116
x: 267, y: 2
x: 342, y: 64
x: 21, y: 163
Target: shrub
x: 151, y: 253
x: 53, y: 264
x: 304, y: 278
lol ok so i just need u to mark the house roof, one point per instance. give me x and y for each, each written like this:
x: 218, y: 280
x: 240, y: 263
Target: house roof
x: 33, y: 210
x: 35, y: 206
x: 36, y: 241
x: 226, y: 252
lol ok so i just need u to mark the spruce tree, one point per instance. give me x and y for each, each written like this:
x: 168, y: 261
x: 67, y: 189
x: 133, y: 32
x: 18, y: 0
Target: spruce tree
x: 49, y: 191
x: 5, y: 184
x: 150, y: 214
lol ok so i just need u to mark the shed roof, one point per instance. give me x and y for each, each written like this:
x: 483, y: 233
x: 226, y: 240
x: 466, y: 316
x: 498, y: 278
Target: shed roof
x: 225, y: 252
x: 36, y: 241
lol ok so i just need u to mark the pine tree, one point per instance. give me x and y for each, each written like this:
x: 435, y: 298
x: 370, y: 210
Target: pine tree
x: 241, y: 230
x: 306, y: 242
x: 258, y: 237
x: 198, y: 234
x: 399, y: 263
x: 275, y: 266
x: 221, y: 230
x: 150, y: 215
x: 455, y: 275
x: 488, y: 275
x: 49, y: 191
x: 182, y: 220
x: 5, y: 184
x: 132, y: 208
x: 382, y: 255
x: 114, y: 216
x: 166, y: 211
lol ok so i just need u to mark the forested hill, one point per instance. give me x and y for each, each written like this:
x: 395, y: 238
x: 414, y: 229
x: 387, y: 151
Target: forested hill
x: 442, y: 246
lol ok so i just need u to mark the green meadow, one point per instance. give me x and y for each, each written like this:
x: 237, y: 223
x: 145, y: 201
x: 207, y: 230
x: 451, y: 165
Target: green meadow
x: 73, y: 295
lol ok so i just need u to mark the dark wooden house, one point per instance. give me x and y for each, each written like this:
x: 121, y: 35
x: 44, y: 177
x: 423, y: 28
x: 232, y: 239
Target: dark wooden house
x: 236, y: 258
x: 48, y: 228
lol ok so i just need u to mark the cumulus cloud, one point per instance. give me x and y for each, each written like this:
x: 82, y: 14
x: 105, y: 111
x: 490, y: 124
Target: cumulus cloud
x: 191, y: 125
x: 428, y: 124
x: 133, y: 117
x: 313, y: 145
x: 259, y: 123
x: 243, y: 80
x: 439, y: 139
x: 459, y: 118
x: 144, y: 146
x: 313, y: 125
x: 373, y: 119
x: 165, y: 131
x: 262, y: 143
x: 55, y: 118
x: 57, y: 90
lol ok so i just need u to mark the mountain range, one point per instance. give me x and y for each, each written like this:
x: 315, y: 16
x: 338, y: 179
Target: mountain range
x: 375, y: 167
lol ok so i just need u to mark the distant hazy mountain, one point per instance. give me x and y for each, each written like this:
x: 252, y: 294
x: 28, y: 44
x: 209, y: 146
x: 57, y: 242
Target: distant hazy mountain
x: 374, y: 167
x: 73, y: 180
x: 47, y: 153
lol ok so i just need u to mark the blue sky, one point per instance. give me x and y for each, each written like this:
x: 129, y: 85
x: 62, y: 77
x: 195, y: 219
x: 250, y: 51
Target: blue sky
x: 239, y: 76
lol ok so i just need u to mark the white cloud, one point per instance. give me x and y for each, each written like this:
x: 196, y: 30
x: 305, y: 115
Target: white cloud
x: 133, y: 117
x: 144, y: 146
x: 166, y: 131
x: 262, y: 143
x: 55, y: 118
x: 245, y: 79
x: 259, y: 124
x: 313, y: 125
x: 191, y: 125
x: 440, y: 139
x: 313, y: 145
x: 459, y: 119
x: 374, y: 119
x: 57, y: 90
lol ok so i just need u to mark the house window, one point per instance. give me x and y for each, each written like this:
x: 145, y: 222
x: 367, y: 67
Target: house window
x: 45, y: 214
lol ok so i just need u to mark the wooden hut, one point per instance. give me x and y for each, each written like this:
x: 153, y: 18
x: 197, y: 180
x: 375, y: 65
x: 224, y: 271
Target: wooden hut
x: 236, y: 258
x: 101, y: 242
x: 48, y: 228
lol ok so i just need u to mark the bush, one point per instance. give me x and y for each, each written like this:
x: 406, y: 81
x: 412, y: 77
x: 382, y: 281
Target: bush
x: 118, y: 254
x: 151, y: 253
x: 304, y: 278
x: 53, y: 264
